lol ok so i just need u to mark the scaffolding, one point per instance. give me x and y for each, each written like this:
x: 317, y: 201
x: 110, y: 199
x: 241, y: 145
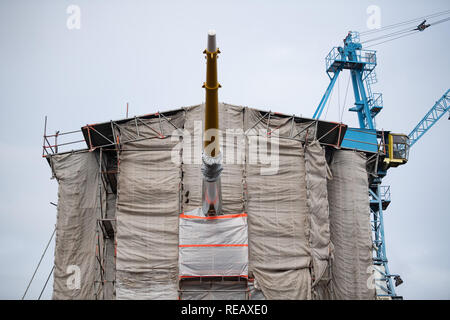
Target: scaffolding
x: 106, y: 135
x: 106, y: 226
x: 107, y: 140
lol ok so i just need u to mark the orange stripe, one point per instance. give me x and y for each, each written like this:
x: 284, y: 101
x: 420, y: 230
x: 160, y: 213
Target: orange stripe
x: 185, y: 216
x: 213, y: 245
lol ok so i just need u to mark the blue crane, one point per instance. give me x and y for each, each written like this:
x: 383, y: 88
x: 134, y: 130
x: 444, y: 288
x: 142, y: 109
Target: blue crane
x: 388, y: 149
x: 361, y: 64
x: 398, y: 145
x: 436, y: 112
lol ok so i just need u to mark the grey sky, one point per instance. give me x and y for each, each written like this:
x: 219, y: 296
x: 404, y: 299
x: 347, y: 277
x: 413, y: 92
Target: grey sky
x: 149, y: 53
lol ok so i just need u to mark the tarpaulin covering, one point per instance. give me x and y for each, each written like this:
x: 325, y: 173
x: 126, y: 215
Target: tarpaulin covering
x: 232, y: 149
x: 214, y: 290
x: 255, y: 292
x: 295, y: 213
x: 278, y: 217
x: 213, y: 246
x: 317, y: 173
x: 350, y: 226
x: 148, y: 206
x: 78, y: 207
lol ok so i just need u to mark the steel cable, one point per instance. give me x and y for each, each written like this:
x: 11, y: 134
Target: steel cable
x: 396, y: 25
x: 40, y: 260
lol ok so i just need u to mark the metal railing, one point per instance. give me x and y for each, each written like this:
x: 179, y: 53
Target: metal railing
x: 52, y: 142
x: 367, y: 57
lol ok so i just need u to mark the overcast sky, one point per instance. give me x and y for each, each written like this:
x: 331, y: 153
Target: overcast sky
x: 149, y: 53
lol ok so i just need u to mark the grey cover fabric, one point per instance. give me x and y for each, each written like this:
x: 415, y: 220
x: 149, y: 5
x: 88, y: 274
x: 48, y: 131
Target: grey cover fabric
x: 214, y: 290
x: 317, y: 173
x: 254, y: 291
x: 78, y: 207
x: 148, y: 206
x: 350, y: 226
x: 278, y: 215
x: 308, y: 231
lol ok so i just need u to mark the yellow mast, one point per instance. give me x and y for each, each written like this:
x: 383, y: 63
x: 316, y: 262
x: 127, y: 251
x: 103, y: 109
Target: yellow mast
x: 211, y: 158
x: 211, y: 96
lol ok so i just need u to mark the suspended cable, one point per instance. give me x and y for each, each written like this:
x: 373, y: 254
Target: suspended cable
x: 396, y: 25
x: 345, y: 98
x: 439, y: 21
x: 40, y: 260
x: 403, y: 31
x: 45, y: 285
x: 339, y: 96
x: 388, y: 35
x: 402, y: 36
x: 407, y: 33
x: 328, y: 102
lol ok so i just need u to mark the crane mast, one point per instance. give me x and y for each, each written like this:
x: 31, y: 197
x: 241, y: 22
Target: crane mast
x: 389, y: 149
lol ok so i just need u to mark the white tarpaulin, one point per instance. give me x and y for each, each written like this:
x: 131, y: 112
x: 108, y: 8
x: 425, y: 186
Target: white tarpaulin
x: 213, y: 246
